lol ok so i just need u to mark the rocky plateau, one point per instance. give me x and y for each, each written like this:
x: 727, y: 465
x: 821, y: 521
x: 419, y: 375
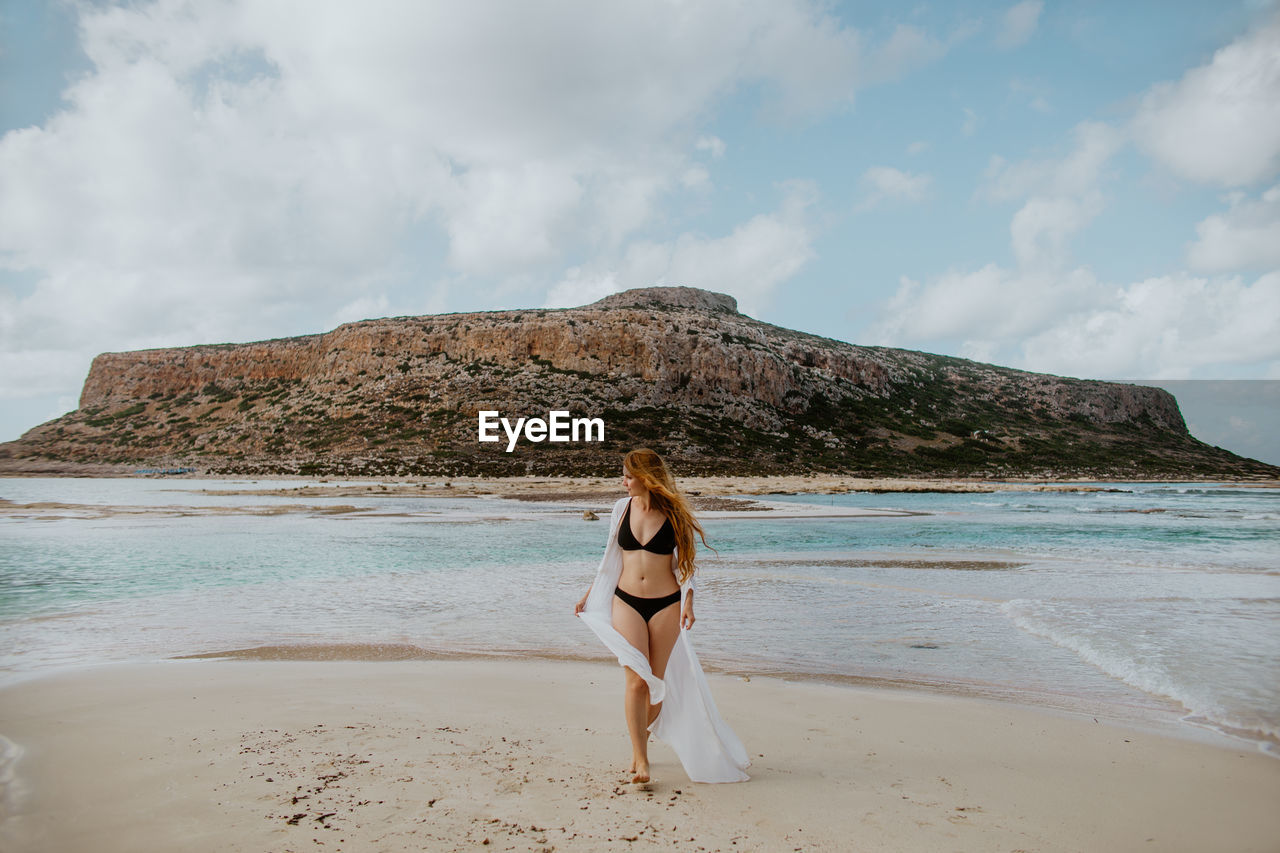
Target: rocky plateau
x: 674, y: 368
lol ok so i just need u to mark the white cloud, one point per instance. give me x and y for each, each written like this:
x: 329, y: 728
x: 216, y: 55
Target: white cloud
x: 1165, y: 328
x: 885, y: 183
x: 364, y: 308
x: 917, y: 147
x: 713, y: 145
x: 234, y: 169
x: 1019, y: 23
x: 1034, y: 91
x: 1045, y: 314
x: 1061, y: 196
x: 1078, y: 173
x: 985, y: 308
x: 1042, y: 227
x: 1220, y: 124
x: 582, y: 287
x: 749, y: 263
x: 970, y: 124
x: 32, y: 372
x: 1247, y: 236
x: 907, y: 49
x: 802, y: 54
x: 1072, y: 324
x: 696, y: 178
x: 511, y: 217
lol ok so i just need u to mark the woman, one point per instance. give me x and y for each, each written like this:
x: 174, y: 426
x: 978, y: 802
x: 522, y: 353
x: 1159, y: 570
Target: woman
x: 641, y: 606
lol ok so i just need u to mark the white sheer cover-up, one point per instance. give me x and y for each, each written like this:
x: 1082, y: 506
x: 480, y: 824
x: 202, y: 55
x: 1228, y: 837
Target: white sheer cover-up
x: 689, y: 722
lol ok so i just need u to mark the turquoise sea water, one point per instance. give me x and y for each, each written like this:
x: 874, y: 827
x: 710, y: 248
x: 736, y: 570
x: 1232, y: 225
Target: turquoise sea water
x: 1148, y: 599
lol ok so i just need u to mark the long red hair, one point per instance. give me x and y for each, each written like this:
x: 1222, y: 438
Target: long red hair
x: 647, y: 467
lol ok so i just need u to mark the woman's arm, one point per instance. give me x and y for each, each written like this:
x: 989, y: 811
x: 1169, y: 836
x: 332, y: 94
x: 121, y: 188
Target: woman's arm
x: 686, y: 611
x: 686, y: 608
x: 613, y: 526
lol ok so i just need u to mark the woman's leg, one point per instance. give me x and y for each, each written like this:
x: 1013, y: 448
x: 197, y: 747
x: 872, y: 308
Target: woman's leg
x: 664, y: 630
x: 631, y: 626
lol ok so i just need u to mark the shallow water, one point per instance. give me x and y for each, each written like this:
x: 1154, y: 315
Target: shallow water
x: 1145, y: 599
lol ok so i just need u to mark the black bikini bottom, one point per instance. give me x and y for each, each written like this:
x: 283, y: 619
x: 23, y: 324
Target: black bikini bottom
x: 647, y: 607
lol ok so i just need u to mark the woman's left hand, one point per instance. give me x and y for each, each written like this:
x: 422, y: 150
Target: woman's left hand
x: 686, y: 616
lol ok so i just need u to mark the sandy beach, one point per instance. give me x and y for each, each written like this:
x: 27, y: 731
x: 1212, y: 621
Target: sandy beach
x: 527, y: 755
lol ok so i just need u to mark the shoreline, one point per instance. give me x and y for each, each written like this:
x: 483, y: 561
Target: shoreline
x: 710, y: 497
x: 1153, y: 713
x: 535, y: 487
x: 724, y: 508
x: 210, y: 755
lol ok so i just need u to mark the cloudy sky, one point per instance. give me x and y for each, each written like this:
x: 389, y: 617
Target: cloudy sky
x: 1085, y: 188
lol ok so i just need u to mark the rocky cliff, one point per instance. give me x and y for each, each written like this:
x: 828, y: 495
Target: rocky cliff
x: 674, y: 368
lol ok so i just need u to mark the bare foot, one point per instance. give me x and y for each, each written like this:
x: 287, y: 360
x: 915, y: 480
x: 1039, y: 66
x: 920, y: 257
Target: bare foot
x: 641, y: 774
x: 631, y: 768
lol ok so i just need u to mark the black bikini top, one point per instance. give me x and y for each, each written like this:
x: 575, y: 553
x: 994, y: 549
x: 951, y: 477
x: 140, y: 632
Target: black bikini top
x: 663, y: 542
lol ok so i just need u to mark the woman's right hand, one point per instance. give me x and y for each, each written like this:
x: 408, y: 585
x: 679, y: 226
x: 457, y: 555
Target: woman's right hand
x: 580, y: 606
